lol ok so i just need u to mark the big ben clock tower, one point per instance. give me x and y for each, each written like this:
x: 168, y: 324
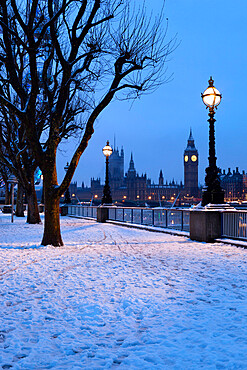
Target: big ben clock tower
x: 191, y: 168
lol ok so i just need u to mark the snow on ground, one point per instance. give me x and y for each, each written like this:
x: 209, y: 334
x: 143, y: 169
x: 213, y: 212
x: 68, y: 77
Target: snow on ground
x: 114, y: 297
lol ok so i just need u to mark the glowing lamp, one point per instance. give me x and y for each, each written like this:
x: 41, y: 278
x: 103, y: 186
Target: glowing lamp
x: 107, y: 150
x: 211, y: 96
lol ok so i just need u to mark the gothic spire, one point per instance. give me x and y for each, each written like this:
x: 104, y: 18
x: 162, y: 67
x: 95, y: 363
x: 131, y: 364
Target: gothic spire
x: 161, y: 178
x: 131, y: 169
x: 191, y: 137
x: 131, y: 165
x: 191, y: 143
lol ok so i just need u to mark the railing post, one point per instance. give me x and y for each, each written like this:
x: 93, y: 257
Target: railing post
x: 153, y: 217
x: 141, y: 216
x: 166, y: 219
x: 132, y: 215
x: 115, y: 213
x: 182, y: 221
x: 123, y: 214
x: 222, y: 220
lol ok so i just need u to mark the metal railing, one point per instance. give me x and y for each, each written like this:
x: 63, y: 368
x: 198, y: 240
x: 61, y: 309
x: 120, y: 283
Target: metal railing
x: 177, y: 219
x: 234, y: 224
x: 82, y: 211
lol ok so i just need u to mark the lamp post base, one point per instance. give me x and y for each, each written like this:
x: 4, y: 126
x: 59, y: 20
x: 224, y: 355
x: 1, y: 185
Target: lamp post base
x: 212, y: 196
x: 212, y: 191
x: 106, y: 199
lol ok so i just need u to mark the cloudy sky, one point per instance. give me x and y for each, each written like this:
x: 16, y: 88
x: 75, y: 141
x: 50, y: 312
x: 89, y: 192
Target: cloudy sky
x: 213, y: 41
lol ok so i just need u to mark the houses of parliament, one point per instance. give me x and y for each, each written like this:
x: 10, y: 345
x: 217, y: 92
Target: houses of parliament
x: 130, y: 188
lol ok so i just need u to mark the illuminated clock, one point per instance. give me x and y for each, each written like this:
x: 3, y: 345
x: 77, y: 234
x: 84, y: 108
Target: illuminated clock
x: 186, y: 158
x: 194, y: 158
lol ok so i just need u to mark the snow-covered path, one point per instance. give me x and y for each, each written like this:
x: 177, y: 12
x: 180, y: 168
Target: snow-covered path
x: 122, y: 298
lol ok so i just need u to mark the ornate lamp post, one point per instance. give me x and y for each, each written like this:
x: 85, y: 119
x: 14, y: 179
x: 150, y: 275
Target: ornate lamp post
x: 67, y: 199
x: 107, y: 199
x: 212, y: 191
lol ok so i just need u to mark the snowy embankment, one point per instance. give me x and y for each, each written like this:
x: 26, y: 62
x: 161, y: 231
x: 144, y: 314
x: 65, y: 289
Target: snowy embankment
x: 119, y: 297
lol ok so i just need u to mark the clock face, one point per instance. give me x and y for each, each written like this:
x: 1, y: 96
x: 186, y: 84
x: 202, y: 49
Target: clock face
x: 194, y: 158
x: 186, y: 158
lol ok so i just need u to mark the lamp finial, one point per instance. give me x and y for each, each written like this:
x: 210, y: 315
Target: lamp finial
x: 211, y: 81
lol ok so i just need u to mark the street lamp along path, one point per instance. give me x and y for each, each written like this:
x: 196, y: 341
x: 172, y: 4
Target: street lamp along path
x: 212, y: 191
x: 107, y: 198
x: 67, y: 198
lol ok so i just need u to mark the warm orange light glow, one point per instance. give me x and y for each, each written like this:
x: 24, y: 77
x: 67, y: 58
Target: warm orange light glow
x: 163, y: 197
x: 138, y: 196
x: 73, y: 195
x: 211, y: 97
x: 96, y: 196
x: 149, y: 197
x: 124, y: 197
x: 172, y: 198
x: 107, y: 150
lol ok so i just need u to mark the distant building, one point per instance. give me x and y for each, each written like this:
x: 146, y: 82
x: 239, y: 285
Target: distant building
x: 234, y: 184
x: 132, y: 187
x: 191, y: 168
x: 116, y: 168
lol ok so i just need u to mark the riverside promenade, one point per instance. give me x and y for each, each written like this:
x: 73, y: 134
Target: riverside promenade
x: 119, y: 297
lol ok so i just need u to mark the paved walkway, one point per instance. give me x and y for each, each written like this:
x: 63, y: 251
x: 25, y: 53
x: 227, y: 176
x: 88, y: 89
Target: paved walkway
x: 119, y: 297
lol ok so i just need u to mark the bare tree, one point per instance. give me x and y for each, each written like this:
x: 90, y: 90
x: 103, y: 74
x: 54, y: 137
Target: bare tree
x: 17, y: 157
x: 77, y: 56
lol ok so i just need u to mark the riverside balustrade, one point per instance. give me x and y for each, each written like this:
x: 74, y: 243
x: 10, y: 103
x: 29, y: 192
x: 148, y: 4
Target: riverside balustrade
x: 177, y: 219
x: 82, y: 211
x: 234, y: 224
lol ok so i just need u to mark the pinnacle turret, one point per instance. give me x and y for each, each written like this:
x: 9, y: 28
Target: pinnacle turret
x: 131, y: 165
x: 191, y: 142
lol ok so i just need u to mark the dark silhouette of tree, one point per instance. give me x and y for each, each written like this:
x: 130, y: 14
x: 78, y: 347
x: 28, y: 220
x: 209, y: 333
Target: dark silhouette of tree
x: 17, y: 157
x: 77, y: 57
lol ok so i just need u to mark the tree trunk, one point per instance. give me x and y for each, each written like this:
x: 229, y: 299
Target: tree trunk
x: 19, y: 202
x: 7, y: 194
x: 33, y: 216
x: 52, y: 234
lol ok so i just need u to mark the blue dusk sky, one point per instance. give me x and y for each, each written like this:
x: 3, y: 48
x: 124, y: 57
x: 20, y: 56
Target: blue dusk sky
x: 213, y: 41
